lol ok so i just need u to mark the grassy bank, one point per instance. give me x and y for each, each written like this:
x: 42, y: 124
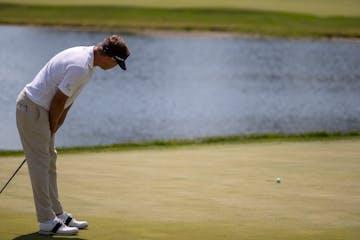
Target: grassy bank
x: 123, y: 19
x: 254, y: 138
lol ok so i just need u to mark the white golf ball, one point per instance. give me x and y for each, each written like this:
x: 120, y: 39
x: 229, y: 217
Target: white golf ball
x: 278, y: 180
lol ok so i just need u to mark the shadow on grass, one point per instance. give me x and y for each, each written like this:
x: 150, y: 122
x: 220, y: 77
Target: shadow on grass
x: 36, y: 236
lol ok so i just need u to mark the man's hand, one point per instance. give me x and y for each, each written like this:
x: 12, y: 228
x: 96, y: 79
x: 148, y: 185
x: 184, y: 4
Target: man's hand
x: 62, y: 118
x: 57, y: 111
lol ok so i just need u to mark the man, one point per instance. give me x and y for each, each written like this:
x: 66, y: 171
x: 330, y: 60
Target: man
x: 41, y: 109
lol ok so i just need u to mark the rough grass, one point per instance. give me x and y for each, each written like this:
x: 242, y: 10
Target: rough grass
x: 122, y: 18
x: 201, y: 192
x: 252, y: 138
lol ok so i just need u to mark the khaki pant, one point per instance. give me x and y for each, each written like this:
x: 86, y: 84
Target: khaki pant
x: 33, y: 125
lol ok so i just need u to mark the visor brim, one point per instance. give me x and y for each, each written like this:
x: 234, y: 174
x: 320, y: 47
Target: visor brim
x: 121, y: 64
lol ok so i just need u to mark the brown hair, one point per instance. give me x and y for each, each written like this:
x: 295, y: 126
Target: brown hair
x: 116, y: 44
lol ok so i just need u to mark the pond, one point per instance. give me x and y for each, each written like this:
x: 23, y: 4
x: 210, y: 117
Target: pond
x: 186, y: 87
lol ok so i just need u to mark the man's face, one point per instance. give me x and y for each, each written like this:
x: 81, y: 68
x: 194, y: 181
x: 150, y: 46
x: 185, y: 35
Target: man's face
x: 107, y: 63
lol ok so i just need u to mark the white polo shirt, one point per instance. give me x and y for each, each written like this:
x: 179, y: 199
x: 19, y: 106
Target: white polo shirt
x: 67, y: 71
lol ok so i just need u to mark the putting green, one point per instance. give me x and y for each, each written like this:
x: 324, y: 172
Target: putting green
x: 201, y: 192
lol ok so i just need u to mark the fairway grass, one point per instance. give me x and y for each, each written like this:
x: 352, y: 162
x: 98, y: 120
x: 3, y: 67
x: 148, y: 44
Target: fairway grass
x: 137, y: 19
x: 317, y: 7
x: 200, y: 192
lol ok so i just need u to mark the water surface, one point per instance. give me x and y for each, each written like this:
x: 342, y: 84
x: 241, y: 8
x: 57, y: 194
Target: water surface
x: 186, y: 87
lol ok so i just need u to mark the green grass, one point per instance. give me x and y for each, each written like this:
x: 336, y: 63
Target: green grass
x: 121, y: 18
x: 202, y: 192
x: 253, y: 138
x: 315, y: 7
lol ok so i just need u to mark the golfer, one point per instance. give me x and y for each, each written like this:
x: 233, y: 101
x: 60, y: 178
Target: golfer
x: 41, y: 109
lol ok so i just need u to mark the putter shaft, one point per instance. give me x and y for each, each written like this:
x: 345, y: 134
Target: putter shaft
x: 13, y: 175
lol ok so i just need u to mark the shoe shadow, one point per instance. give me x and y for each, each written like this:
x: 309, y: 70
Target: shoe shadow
x: 37, y: 236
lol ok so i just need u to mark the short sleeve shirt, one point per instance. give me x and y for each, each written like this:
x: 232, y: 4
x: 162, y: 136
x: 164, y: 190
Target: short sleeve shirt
x: 69, y: 71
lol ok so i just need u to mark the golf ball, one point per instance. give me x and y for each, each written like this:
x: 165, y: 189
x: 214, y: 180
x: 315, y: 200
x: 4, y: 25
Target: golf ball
x: 278, y: 180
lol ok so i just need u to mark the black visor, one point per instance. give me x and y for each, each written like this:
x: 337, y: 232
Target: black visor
x: 120, y: 60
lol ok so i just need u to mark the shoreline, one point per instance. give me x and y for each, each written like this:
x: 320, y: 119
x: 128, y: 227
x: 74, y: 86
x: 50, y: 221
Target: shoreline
x: 151, y: 32
x: 216, y: 140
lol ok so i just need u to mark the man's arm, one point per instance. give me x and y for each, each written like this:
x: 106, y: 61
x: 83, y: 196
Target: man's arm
x: 62, y: 118
x: 57, y: 110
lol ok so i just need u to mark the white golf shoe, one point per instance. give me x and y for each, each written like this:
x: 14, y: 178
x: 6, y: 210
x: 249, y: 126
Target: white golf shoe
x: 57, y: 227
x: 68, y: 219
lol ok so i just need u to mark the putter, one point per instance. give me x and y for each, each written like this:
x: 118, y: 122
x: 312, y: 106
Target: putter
x: 13, y: 175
